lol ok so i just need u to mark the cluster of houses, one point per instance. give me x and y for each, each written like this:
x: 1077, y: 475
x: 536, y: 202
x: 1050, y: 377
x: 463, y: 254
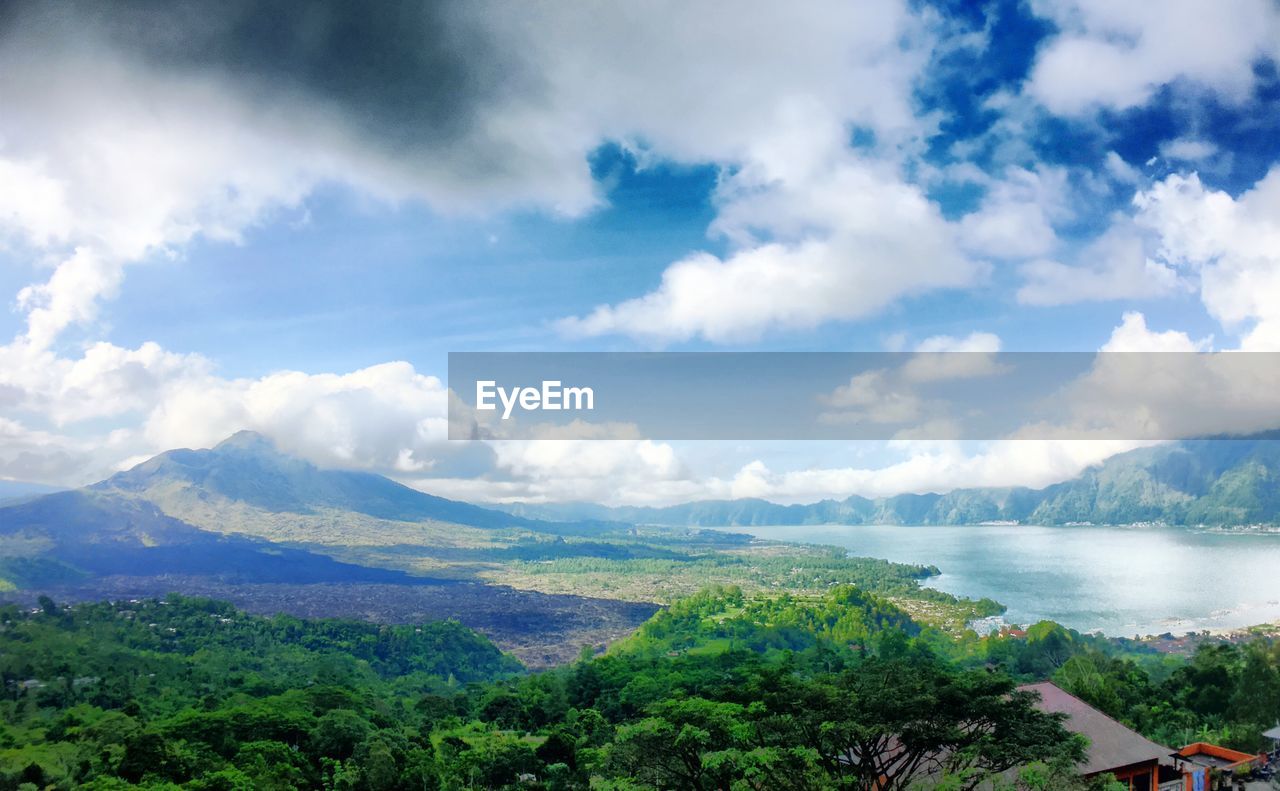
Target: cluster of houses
x: 1140, y: 763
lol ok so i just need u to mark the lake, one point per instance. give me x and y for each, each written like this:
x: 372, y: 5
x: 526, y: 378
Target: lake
x: 1119, y: 580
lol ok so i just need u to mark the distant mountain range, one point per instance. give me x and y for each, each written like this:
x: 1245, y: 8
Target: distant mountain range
x: 245, y: 511
x: 1213, y: 482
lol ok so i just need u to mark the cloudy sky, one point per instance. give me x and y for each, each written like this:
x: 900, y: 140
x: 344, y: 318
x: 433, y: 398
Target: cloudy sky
x: 283, y: 216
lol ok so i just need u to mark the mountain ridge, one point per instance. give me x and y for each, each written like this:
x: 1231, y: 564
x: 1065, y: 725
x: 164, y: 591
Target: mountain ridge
x: 1221, y: 482
x: 241, y: 509
x: 248, y: 467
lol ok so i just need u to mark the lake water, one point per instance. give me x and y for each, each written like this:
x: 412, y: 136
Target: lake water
x: 1118, y: 580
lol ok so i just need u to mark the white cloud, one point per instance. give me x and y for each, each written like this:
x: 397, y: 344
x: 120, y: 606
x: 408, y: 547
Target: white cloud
x: 1185, y: 149
x: 932, y: 467
x: 873, y: 397
x: 386, y: 417
x: 890, y: 395
x: 612, y: 472
x: 33, y: 455
x: 1132, y: 335
x: 1231, y: 245
x: 1120, y: 170
x: 944, y: 357
x: 973, y: 342
x: 1016, y: 217
x: 69, y: 296
x: 1159, y: 385
x: 106, y: 381
x: 817, y: 232
x: 124, y: 159
x: 1113, y: 266
x: 854, y: 239
x: 1117, y: 55
x: 1168, y: 396
x: 32, y: 202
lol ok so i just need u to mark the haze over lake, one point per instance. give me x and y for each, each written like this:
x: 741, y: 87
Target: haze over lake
x: 1121, y: 581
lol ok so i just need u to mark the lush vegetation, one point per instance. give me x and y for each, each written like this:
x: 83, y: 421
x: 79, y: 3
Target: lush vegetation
x: 1227, y: 694
x: 671, y: 569
x: 722, y: 691
x: 725, y: 689
x: 1224, y: 692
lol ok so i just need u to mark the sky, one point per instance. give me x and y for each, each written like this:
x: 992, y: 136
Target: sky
x: 283, y: 217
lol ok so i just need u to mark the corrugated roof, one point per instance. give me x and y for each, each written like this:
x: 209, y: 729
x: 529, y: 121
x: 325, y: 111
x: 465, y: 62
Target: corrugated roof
x: 1111, y: 745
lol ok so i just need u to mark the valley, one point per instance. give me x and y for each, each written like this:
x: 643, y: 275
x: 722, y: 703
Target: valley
x: 271, y: 533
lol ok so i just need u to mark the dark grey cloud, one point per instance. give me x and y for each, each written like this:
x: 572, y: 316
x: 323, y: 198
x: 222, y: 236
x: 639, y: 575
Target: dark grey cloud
x: 411, y: 77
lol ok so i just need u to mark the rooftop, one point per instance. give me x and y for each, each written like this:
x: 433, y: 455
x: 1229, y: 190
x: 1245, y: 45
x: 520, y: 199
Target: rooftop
x: 1111, y: 745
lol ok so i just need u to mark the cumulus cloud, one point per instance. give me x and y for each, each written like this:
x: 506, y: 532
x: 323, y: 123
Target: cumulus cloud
x: 386, y: 417
x: 843, y: 243
x: 1231, y: 245
x: 1116, y: 55
x: 1113, y: 266
x: 973, y: 342
x: 932, y: 467
x: 1158, y: 385
x: 1164, y: 396
x: 1132, y: 335
x: 105, y: 381
x: 34, y: 455
x: 946, y: 357
x: 609, y: 471
x: 891, y: 395
x: 873, y: 397
x: 1017, y: 214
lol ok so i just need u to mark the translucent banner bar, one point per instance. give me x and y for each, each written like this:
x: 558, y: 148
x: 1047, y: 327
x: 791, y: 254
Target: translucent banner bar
x: 862, y: 395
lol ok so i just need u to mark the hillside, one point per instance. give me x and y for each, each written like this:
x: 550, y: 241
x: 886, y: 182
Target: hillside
x: 67, y: 536
x: 277, y: 534
x: 1215, y: 482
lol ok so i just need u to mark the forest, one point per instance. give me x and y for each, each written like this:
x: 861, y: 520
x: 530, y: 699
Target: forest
x: 722, y: 690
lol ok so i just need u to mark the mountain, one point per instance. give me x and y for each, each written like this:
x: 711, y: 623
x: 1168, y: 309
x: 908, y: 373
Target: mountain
x: 240, y: 511
x: 1217, y: 482
x: 244, y: 522
x: 247, y: 468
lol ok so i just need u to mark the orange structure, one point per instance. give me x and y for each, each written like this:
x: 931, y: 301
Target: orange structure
x: 1201, y: 758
